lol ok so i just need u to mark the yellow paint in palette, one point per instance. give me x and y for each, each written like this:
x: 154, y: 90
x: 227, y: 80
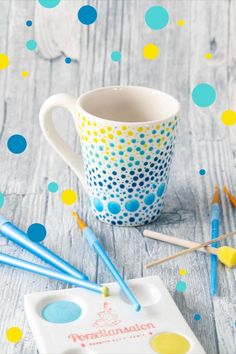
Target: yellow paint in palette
x: 170, y: 343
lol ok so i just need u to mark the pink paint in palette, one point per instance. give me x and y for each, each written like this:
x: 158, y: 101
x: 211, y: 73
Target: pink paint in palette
x: 76, y: 321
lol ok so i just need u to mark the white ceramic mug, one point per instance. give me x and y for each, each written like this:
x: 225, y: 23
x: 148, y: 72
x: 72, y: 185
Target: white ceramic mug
x: 127, y: 135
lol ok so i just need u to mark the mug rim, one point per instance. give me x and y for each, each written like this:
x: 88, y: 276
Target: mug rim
x: 107, y: 121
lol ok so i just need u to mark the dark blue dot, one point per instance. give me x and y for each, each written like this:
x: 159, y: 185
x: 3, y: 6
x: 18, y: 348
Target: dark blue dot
x: 109, y: 186
x: 119, y: 222
x: 141, y: 175
x: 141, y: 183
x: 36, y: 232
x: 202, y: 171
x: 87, y: 15
x: 16, y: 144
x: 100, y: 184
x: 130, y: 190
x: 29, y: 23
x: 131, y: 219
x: 197, y: 317
x: 122, y: 186
x: 113, y: 222
x: 67, y: 60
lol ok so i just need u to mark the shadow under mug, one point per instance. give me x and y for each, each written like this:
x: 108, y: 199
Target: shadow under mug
x: 127, y: 134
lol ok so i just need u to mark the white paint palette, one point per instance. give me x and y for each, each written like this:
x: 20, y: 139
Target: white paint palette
x: 88, y: 323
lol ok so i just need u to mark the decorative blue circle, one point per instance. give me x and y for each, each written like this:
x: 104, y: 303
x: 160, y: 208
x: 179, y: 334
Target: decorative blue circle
x: 53, y: 187
x: 149, y: 199
x: 203, y: 95
x: 161, y: 189
x: 132, y: 205
x: 114, y: 207
x: 116, y: 55
x: 67, y: 60
x: 181, y: 286
x: 49, y: 3
x: 98, y: 204
x: 16, y: 144
x: 197, y: 317
x: 36, y: 232
x: 29, y: 23
x: 31, y: 44
x: 1, y: 200
x: 87, y: 15
x: 61, y: 312
x: 156, y: 17
x: 202, y: 171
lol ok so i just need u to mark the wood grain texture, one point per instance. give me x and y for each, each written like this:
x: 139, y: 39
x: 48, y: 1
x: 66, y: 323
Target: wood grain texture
x: 203, y: 142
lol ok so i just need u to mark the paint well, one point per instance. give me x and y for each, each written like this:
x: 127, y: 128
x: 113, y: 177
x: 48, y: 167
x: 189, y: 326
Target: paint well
x: 169, y: 343
x: 61, y: 312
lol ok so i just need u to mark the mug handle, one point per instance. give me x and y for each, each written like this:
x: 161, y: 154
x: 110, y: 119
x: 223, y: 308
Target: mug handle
x: 60, y: 146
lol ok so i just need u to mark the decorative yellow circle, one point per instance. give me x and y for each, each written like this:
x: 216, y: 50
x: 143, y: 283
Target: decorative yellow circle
x: 102, y: 131
x: 228, y: 117
x: 118, y: 132
x: 4, y: 61
x: 69, y: 197
x: 123, y: 127
x: 130, y: 133
x: 182, y: 271
x: 169, y: 343
x: 140, y: 129
x: 24, y: 73
x: 110, y: 136
x: 109, y: 129
x: 150, y: 51
x: 208, y: 56
x: 180, y: 23
x: 14, y: 334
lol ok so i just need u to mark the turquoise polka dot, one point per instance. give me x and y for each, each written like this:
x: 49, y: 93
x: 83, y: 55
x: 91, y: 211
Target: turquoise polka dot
x: 53, y: 187
x: 161, y: 189
x: 149, y: 199
x: 156, y: 17
x: 31, y: 44
x: 49, y: 4
x: 181, y: 286
x: 203, y: 95
x: 116, y: 55
x: 197, y: 317
x: 1, y: 200
x: 132, y: 205
x: 114, y: 207
x: 61, y: 312
x: 98, y: 204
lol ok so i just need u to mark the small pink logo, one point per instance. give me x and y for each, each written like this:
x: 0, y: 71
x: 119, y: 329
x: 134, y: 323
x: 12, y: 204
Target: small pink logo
x: 106, y: 318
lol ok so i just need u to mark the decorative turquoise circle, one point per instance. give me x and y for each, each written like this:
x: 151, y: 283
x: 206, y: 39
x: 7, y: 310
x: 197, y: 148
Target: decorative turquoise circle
x: 116, y: 55
x: 53, y: 187
x: 149, y: 199
x: 67, y: 60
x: 31, y: 44
x: 181, y: 286
x: 156, y: 17
x: 161, y: 189
x: 87, y: 15
x: 61, y: 312
x: 132, y: 205
x: 1, y: 200
x: 114, y: 207
x: 197, y: 317
x: 202, y: 171
x: 16, y: 144
x: 98, y: 204
x: 203, y: 95
x: 29, y: 23
x: 49, y: 3
x: 36, y: 232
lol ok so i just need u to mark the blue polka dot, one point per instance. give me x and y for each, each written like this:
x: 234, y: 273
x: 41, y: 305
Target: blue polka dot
x: 31, y: 44
x: 49, y: 3
x: 202, y: 172
x: 116, y: 55
x: 98, y: 204
x: 114, y: 207
x: 61, y: 312
x: 149, y: 199
x: 67, y: 60
x: 197, y: 317
x: 53, y: 187
x: 161, y: 189
x: 156, y: 17
x: 1, y: 200
x: 132, y: 205
x: 36, y: 232
x: 203, y: 95
x: 87, y: 15
x: 29, y: 23
x: 181, y: 286
x: 16, y: 144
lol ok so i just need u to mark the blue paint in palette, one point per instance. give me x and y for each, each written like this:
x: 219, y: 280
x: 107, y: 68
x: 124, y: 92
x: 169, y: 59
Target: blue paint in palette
x: 61, y: 312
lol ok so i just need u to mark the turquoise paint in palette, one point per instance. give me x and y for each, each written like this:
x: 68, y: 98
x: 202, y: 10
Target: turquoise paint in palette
x: 75, y: 321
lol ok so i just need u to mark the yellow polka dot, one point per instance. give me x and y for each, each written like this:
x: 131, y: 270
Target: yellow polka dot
x: 69, y: 197
x: 169, y: 343
x: 130, y: 133
x: 14, y: 334
x: 182, y: 271
x: 118, y: 132
x: 24, y: 73
x: 95, y: 140
x: 82, y: 124
x: 150, y: 51
x: 140, y: 129
x: 120, y: 147
x: 102, y: 131
x: 110, y: 136
x: 158, y: 126
x: 4, y: 61
x: 88, y: 132
x: 95, y: 133
x: 88, y: 122
x: 180, y: 23
x: 109, y: 129
x: 83, y: 118
x: 208, y: 56
x: 228, y: 117
x: 123, y: 127
x: 103, y: 141
x: 95, y: 124
x: 112, y: 159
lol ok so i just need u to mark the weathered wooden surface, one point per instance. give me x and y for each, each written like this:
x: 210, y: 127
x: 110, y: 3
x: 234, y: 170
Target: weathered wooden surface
x: 203, y: 142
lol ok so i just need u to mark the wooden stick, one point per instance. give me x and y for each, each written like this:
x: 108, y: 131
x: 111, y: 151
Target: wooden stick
x: 190, y: 250
x: 178, y: 241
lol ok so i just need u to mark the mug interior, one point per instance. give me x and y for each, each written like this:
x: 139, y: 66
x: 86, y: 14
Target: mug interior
x: 129, y: 104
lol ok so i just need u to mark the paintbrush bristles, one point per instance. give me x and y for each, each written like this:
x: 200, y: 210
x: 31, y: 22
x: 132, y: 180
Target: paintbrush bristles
x: 232, y: 199
x: 216, y: 196
x: 80, y: 222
